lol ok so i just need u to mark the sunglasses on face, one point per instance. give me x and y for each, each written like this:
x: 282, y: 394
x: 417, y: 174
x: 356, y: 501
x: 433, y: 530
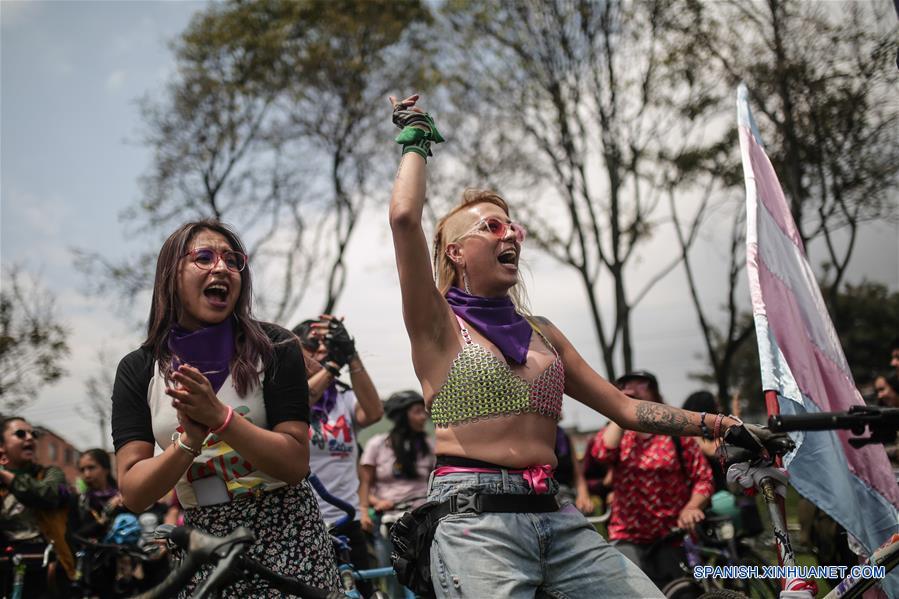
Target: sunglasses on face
x: 311, y: 343
x: 498, y: 228
x: 207, y: 258
x: 23, y: 434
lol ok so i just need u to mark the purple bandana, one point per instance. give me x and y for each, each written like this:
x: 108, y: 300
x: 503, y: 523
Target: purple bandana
x: 496, y: 319
x: 323, y: 407
x: 98, y: 499
x: 209, y: 350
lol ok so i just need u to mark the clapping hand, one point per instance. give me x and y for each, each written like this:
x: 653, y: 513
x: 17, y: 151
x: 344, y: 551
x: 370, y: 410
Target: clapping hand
x: 196, y: 402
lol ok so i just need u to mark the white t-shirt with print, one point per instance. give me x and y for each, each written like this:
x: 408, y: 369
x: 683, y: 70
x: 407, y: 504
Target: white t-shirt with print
x: 219, y: 473
x: 333, y: 451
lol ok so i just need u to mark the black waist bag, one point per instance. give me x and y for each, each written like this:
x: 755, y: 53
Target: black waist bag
x: 413, y: 534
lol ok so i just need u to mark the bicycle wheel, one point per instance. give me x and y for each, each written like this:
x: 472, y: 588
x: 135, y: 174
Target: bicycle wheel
x: 755, y: 588
x: 683, y: 588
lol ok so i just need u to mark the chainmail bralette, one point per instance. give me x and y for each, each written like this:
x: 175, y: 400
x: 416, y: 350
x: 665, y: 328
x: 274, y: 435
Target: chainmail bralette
x: 480, y: 385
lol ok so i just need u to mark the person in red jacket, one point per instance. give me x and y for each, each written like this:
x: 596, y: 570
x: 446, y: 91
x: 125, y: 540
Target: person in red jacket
x: 660, y: 482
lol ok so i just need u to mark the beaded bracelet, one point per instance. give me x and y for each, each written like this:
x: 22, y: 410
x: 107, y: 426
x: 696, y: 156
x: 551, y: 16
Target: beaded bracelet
x: 224, y: 424
x: 706, y: 433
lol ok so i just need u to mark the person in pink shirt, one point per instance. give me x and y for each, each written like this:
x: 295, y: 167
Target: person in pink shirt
x: 395, y: 465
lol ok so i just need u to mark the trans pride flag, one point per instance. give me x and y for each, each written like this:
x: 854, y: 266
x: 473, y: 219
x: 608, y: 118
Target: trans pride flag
x: 803, y: 362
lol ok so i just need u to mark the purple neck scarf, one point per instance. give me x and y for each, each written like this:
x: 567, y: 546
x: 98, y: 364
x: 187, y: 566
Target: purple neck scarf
x: 496, y: 319
x: 323, y: 407
x: 98, y: 499
x: 209, y: 350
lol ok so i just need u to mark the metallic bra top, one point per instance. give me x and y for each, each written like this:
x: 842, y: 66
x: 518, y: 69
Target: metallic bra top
x: 479, y: 386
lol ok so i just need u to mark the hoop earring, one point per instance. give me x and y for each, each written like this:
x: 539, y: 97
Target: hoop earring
x: 465, y: 281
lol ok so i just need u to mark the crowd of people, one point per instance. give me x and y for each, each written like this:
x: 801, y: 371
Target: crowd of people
x: 219, y: 418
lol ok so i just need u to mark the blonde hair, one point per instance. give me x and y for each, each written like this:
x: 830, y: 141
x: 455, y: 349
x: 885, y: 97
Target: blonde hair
x: 445, y: 268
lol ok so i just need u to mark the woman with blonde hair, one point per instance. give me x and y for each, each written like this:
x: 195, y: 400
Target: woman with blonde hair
x: 493, y: 379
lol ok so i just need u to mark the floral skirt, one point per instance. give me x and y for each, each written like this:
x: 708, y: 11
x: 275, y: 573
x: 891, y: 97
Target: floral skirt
x: 290, y: 539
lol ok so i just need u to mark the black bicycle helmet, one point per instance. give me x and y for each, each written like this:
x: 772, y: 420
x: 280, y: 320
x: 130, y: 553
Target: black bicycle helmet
x: 397, y: 404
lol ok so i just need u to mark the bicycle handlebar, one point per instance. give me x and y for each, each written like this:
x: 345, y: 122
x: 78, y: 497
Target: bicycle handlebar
x: 333, y: 500
x: 175, y: 581
x: 882, y: 422
x: 201, y: 548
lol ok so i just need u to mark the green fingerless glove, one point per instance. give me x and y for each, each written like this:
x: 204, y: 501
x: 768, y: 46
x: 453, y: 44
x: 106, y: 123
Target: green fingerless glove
x: 416, y: 139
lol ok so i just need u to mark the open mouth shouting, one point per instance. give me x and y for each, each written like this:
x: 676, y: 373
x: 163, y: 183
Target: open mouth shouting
x: 216, y: 293
x: 509, y: 258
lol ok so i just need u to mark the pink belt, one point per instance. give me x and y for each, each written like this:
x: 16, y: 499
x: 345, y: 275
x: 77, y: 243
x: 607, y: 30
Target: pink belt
x: 536, y: 476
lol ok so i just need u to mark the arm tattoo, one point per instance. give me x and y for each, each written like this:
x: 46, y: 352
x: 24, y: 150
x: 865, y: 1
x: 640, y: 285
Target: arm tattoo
x: 664, y: 420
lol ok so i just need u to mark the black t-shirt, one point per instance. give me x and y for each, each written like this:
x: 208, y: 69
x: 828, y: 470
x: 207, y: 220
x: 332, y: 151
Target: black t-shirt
x: 285, y: 389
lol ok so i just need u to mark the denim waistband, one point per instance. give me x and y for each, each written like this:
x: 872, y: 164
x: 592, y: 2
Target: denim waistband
x: 501, y: 481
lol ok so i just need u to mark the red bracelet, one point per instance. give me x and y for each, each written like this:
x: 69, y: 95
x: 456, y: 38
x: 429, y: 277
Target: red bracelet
x: 225, y: 424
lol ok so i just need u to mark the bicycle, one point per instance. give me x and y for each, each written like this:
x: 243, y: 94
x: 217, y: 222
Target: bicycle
x: 93, y: 559
x: 228, y: 554
x: 716, y: 543
x: 760, y: 471
x: 15, y: 558
x: 348, y: 572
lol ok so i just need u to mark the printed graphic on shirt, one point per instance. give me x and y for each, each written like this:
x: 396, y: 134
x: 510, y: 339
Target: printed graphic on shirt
x: 334, y: 437
x: 226, y: 464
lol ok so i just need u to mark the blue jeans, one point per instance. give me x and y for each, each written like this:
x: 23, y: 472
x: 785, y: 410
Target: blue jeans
x: 517, y: 556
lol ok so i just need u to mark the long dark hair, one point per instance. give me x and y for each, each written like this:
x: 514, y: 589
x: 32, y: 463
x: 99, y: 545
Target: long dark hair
x: 408, y: 445
x: 251, y: 342
x: 102, y: 459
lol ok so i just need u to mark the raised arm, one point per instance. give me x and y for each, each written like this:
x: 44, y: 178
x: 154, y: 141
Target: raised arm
x: 425, y: 312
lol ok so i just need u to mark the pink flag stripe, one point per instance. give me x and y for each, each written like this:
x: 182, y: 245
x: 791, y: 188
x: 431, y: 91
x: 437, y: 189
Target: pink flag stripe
x: 769, y: 192
x: 787, y: 262
x: 823, y: 382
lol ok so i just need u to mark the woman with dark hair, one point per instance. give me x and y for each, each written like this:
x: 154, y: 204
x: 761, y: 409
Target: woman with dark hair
x: 105, y: 573
x: 493, y: 377
x: 101, y: 501
x: 394, y: 469
x: 33, y: 509
x: 395, y: 465
x: 225, y: 398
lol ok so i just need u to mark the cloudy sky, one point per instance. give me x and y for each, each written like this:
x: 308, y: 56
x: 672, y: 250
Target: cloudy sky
x: 69, y: 164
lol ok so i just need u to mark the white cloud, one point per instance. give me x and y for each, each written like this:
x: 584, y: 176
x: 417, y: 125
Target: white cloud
x: 116, y: 80
x: 16, y: 13
x: 43, y: 215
